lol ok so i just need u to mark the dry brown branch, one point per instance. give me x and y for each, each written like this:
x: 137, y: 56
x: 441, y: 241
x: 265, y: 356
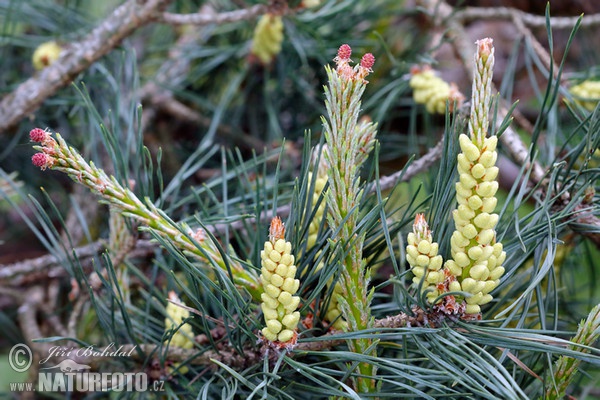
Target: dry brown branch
x: 14, y: 293
x: 29, y: 95
x: 535, y: 21
x: 583, y: 217
x: 210, y: 17
x: 27, y: 316
x: 171, y: 72
x: 253, y: 355
x: 75, y: 315
x: 8, y: 271
x: 49, y: 307
x: 536, y: 45
x: 49, y: 266
x: 419, y: 165
x: 164, y: 100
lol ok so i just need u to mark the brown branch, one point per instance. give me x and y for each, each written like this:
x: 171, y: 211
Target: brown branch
x: 164, y: 100
x: 253, y: 355
x: 18, y: 295
x: 534, y: 21
x: 402, y: 320
x: 27, y: 317
x: 74, y: 318
x: 419, y: 165
x: 73, y: 60
x: 583, y: 216
x: 8, y: 271
x: 536, y: 45
x: 170, y: 73
x: 210, y: 17
x: 176, y: 355
x: 49, y: 307
x: 50, y: 266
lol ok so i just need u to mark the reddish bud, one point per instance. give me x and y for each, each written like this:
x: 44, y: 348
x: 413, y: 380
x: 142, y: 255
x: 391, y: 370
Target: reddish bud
x: 41, y: 160
x: 367, y: 61
x: 173, y: 297
x: 37, y: 135
x: 485, y: 49
x: 276, y: 230
x: 485, y: 46
x: 420, y: 227
x: 344, y: 52
x: 415, y: 69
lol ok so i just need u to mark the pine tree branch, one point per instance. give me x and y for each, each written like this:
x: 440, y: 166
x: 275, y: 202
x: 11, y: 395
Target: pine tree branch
x: 584, y: 217
x: 124, y: 21
x: 469, y: 14
x: 165, y: 101
x: 8, y: 271
x: 75, y: 316
x: 27, y: 317
x: 565, y: 367
x: 18, y: 273
x: 170, y: 73
x: 536, y: 46
x: 49, y: 266
x: 210, y: 17
x: 49, y: 306
x: 253, y: 355
x: 416, y: 167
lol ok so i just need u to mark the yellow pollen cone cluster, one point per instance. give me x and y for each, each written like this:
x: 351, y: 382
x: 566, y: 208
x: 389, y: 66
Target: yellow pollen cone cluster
x: 432, y: 91
x: 279, y: 287
x: 476, y: 257
x: 310, y: 3
x: 175, y: 316
x: 422, y: 255
x: 587, y: 93
x: 268, y: 36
